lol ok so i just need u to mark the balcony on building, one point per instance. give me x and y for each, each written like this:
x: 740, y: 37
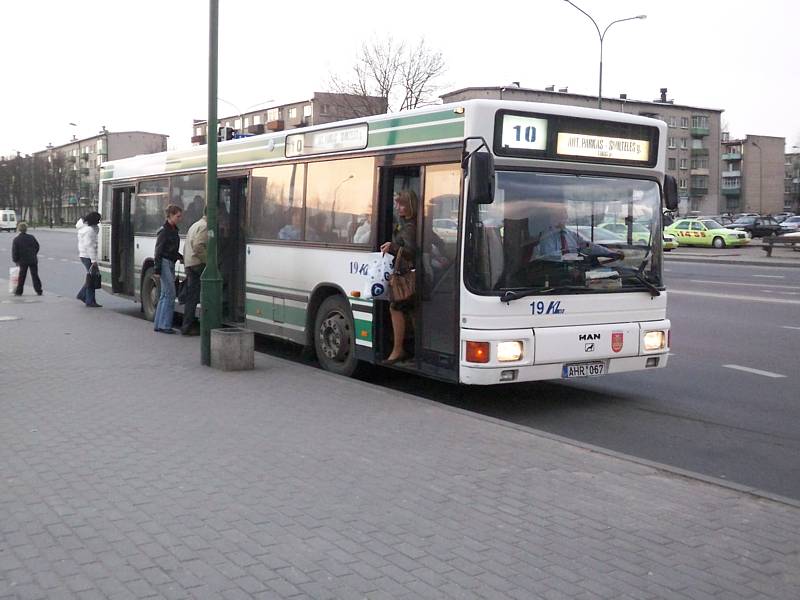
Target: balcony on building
x: 698, y: 171
x: 731, y: 190
x: 696, y: 192
x: 276, y: 125
x: 256, y: 129
x: 699, y: 131
x: 699, y: 151
x: 732, y: 156
x: 84, y: 172
x: 731, y: 174
x: 198, y: 139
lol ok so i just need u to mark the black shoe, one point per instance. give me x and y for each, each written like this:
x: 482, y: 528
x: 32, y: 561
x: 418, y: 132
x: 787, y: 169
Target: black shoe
x: 94, y: 305
x: 39, y: 293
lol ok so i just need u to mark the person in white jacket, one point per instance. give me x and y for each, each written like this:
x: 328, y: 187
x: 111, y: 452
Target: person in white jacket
x: 87, y: 251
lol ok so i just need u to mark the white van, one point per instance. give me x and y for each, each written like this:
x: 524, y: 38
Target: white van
x: 8, y: 220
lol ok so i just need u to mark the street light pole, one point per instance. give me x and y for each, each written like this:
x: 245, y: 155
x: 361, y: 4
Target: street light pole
x: 210, y: 280
x: 760, y: 178
x: 602, y: 37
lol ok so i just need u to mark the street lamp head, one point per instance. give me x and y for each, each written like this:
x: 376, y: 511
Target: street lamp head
x: 641, y: 16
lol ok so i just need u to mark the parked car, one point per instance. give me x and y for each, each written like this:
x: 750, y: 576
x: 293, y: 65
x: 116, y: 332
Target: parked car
x: 640, y: 234
x: 756, y: 226
x: 447, y: 229
x: 706, y: 232
x: 721, y: 219
x: 790, y: 224
x: 740, y: 215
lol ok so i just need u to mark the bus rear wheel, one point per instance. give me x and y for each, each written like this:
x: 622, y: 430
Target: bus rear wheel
x: 334, y: 337
x: 151, y: 289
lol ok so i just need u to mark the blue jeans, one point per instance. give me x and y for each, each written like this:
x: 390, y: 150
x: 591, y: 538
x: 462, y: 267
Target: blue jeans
x: 166, y: 300
x: 87, y: 293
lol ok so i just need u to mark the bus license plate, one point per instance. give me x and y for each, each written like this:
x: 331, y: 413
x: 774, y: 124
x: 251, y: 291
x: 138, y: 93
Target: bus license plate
x: 585, y: 369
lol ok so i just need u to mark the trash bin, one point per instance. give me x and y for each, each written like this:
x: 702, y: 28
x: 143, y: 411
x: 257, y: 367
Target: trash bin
x: 232, y: 349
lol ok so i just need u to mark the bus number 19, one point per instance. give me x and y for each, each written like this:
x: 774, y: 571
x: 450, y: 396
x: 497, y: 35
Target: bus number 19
x: 530, y: 133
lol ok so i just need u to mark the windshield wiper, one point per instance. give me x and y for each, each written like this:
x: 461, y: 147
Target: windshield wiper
x: 516, y: 294
x: 639, y: 276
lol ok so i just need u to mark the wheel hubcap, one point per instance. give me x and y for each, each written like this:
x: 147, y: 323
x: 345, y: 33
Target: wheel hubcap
x: 334, y: 338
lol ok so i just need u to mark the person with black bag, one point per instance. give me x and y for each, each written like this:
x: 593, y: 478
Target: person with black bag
x: 87, y: 251
x: 24, y: 250
x: 402, y: 281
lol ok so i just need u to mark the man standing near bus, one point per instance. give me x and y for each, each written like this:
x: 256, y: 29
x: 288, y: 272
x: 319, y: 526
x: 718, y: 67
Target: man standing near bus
x: 194, y: 259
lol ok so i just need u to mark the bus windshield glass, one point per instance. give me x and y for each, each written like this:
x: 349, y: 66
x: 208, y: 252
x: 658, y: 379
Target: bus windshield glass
x: 565, y: 234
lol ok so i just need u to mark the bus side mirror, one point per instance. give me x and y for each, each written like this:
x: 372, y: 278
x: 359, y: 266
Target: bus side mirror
x: 481, y: 178
x: 670, y: 193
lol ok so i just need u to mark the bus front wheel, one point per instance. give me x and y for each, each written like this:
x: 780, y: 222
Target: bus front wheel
x: 150, y: 292
x: 334, y: 337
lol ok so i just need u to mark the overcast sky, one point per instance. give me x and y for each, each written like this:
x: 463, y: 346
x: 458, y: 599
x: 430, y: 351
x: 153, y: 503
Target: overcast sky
x: 143, y: 64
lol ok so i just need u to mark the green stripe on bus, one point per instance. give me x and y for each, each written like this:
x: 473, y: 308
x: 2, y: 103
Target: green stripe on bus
x: 427, y: 118
x: 417, y: 134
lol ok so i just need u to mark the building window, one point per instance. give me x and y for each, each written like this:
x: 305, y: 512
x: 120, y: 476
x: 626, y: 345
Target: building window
x: 671, y: 142
x: 273, y: 114
x: 699, y: 182
x: 684, y: 143
x: 307, y: 111
x: 683, y: 184
x: 671, y: 164
x: 700, y: 121
x: 257, y: 120
x: 699, y: 163
x: 685, y: 122
x: 293, y: 113
x: 325, y: 109
x: 673, y: 121
x: 684, y: 163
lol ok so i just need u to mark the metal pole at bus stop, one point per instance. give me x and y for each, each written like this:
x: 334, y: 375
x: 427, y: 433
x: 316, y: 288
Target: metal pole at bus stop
x: 210, y: 280
x: 602, y: 37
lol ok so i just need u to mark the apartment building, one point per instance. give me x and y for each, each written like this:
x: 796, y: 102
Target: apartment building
x: 322, y: 107
x: 791, y: 182
x: 693, y: 140
x: 71, y: 172
x: 753, y: 174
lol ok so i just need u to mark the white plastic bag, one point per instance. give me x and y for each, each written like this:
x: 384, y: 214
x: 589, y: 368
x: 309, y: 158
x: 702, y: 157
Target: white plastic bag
x: 379, y: 269
x: 13, y: 279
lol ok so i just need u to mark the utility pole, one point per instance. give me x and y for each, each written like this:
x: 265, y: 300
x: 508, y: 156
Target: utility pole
x: 210, y: 280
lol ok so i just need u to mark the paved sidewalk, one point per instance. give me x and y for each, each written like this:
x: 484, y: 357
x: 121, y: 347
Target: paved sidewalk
x: 127, y: 470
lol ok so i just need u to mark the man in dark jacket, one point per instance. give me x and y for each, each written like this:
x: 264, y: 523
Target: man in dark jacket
x: 23, y: 252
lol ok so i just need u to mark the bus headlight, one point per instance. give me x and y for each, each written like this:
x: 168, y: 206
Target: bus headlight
x: 509, y: 351
x: 655, y: 340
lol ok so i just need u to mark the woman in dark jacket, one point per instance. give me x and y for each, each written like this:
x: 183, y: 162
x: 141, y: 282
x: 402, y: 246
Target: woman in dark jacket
x: 404, y: 236
x: 166, y: 255
x: 24, y: 251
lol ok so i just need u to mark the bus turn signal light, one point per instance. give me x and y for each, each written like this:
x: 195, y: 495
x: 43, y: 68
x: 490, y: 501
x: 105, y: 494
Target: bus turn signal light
x: 478, y: 352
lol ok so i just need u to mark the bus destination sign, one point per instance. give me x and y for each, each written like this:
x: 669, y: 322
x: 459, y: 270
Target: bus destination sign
x: 327, y: 140
x: 600, y: 146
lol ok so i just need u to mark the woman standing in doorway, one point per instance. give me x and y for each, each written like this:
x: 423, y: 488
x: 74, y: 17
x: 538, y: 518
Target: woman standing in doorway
x: 166, y: 255
x: 404, y: 237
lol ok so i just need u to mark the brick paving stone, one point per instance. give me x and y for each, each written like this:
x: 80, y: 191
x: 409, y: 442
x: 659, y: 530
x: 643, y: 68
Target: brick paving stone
x: 287, y: 482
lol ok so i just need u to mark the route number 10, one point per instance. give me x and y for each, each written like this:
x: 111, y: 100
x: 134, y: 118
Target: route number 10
x: 530, y: 133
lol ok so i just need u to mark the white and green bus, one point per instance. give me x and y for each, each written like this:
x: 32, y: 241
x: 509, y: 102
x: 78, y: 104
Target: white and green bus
x: 301, y: 213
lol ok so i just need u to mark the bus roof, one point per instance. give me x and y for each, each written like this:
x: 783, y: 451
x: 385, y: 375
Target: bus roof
x: 433, y: 125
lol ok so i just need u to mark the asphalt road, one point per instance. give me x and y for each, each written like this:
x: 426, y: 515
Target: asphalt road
x: 727, y: 406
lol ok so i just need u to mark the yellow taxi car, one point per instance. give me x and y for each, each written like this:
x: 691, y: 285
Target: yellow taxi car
x: 706, y: 232
x: 639, y: 233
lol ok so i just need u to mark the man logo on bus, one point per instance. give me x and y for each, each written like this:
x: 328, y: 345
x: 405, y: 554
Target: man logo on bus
x: 616, y: 341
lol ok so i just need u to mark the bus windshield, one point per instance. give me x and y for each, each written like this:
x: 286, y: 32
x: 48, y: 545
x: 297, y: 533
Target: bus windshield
x: 565, y: 233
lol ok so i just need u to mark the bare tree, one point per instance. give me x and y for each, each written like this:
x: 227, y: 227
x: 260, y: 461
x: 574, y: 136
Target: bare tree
x: 403, y: 74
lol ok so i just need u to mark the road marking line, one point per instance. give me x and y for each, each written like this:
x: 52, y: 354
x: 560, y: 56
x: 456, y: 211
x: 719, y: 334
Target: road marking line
x: 789, y: 327
x: 732, y: 297
x: 770, y: 276
x: 788, y: 287
x: 755, y: 371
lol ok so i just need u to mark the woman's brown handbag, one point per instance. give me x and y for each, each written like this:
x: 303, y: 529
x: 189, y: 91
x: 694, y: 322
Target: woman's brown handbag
x: 403, y: 281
